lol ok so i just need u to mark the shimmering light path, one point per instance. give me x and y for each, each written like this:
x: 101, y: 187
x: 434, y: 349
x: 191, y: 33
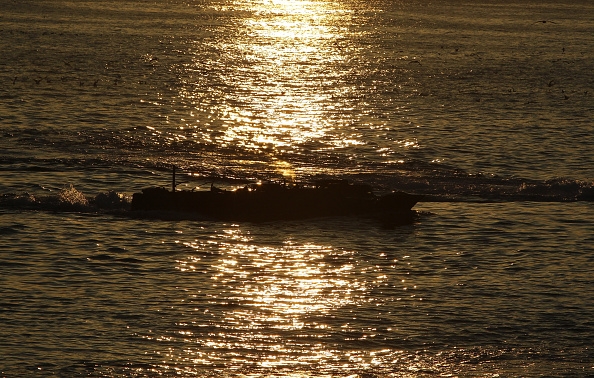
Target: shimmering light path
x: 288, y: 87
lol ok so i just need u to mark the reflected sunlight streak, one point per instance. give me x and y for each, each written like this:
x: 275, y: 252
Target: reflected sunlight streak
x: 271, y: 291
x: 279, y: 283
x: 277, y: 91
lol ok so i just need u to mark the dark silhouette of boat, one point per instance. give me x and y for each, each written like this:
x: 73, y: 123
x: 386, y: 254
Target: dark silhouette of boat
x: 280, y: 201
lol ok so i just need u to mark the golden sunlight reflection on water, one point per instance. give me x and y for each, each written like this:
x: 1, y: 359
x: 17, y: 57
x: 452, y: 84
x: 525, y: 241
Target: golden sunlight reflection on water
x: 279, y: 79
x: 272, y: 302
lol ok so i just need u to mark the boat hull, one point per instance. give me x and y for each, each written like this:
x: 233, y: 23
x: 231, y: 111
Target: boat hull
x: 276, y: 203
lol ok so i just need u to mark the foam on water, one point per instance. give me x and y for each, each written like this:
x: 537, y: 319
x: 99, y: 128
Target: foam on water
x: 67, y: 199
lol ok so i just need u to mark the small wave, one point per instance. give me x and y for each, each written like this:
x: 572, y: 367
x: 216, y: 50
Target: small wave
x: 111, y: 201
x: 558, y: 190
x: 102, y: 257
x: 12, y: 229
x: 70, y: 198
x: 67, y: 199
x: 443, y: 186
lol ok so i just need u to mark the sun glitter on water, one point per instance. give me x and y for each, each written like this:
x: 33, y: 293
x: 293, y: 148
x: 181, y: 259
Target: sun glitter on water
x: 272, y: 291
x: 281, y: 71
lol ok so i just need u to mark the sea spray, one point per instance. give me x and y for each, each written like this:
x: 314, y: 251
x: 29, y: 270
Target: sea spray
x: 70, y: 198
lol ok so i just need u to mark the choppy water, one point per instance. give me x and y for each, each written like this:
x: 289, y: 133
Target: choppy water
x: 483, y: 107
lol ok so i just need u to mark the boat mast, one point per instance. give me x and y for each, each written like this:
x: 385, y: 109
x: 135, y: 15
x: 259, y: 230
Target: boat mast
x: 173, y: 181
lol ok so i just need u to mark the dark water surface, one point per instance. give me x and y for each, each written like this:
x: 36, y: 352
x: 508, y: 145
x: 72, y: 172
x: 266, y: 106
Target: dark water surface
x: 484, y: 107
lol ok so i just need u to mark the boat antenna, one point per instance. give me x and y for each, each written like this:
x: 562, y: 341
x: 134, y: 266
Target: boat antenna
x: 173, y: 180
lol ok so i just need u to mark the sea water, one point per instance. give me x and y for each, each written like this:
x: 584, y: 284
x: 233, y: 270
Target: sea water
x: 486, y: 108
